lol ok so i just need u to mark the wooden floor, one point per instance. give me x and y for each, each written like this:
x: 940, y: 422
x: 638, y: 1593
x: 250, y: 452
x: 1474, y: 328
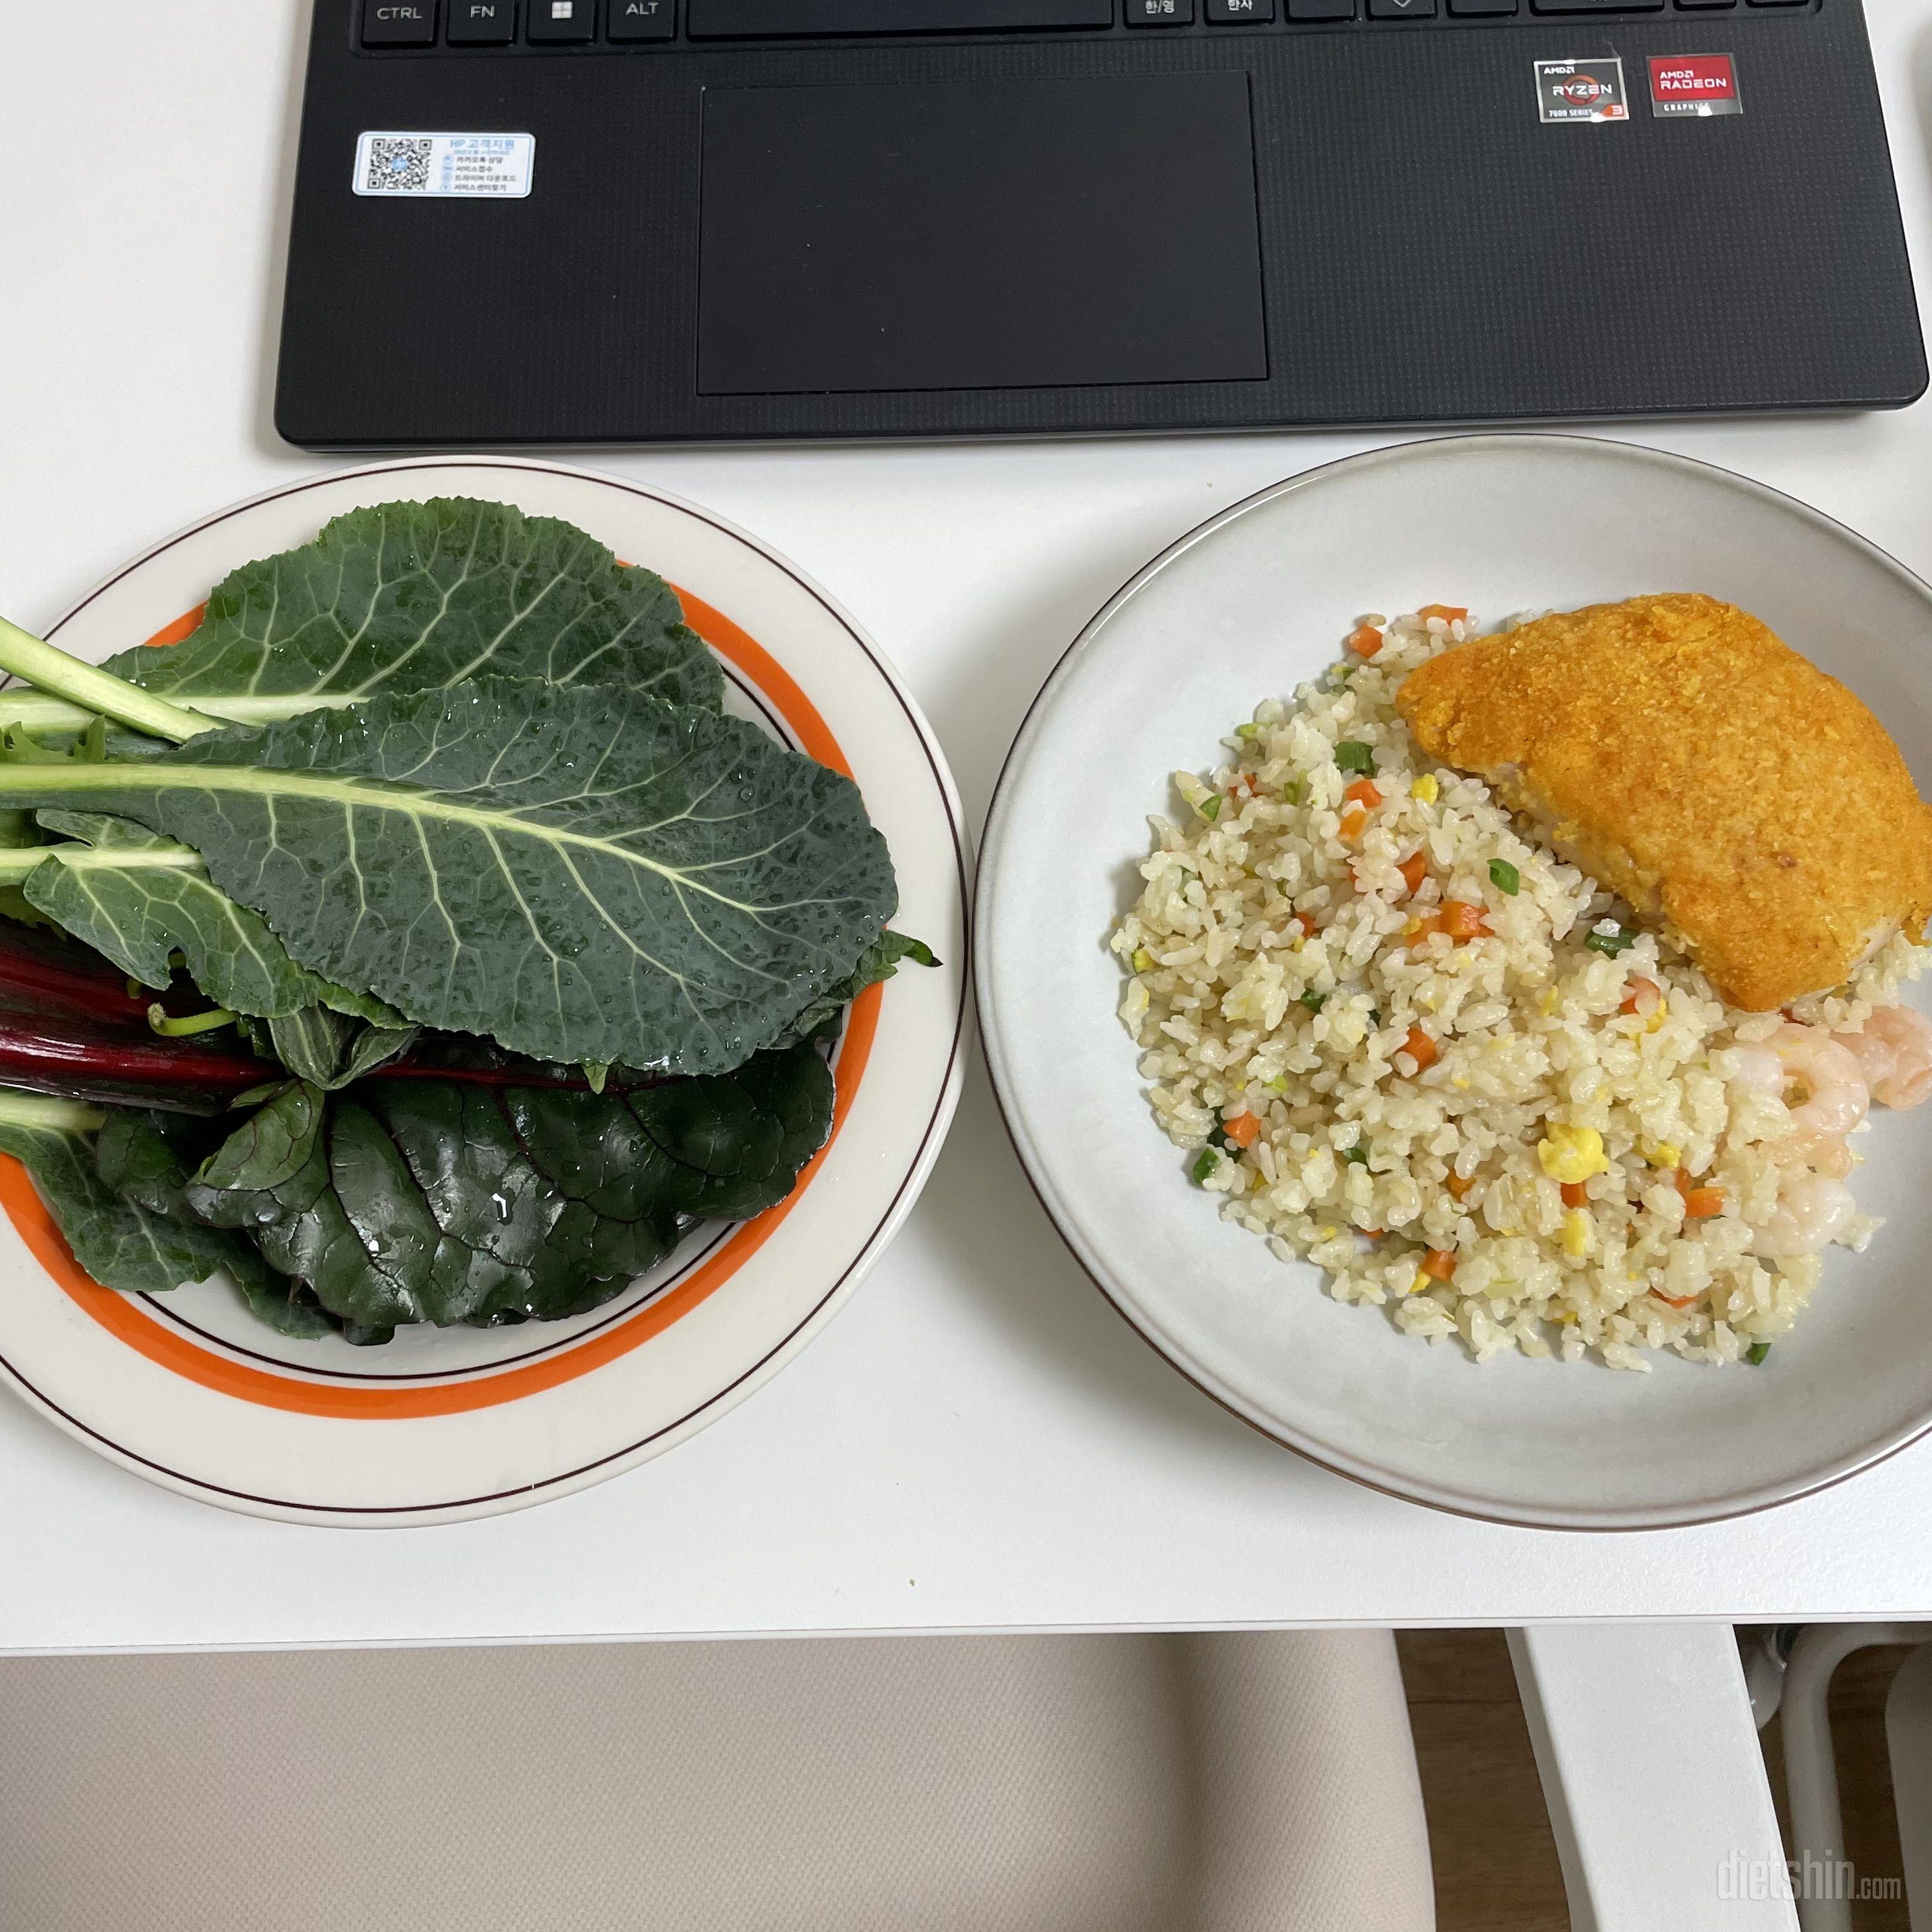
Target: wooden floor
x: 1496, y: 1869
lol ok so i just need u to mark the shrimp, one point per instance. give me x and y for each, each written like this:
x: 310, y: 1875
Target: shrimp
x: 1813, y: 1211
x: 1894, y: 1051
x: 1822, y: 1082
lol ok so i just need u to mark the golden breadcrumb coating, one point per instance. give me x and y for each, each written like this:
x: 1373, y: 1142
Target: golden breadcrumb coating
x: 1700, y: 768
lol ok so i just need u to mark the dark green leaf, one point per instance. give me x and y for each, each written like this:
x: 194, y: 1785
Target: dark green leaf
x: 428, y: 1200
x: 880, y: 960
x: 1353, y: 756
x: 1610, y: 944
x: 1505, y: 878
x: 1313, y: 1001
x: 119, y: 1243
x: 408, y: 597
x: 1205, y: 1163
x: 139, y: 899
x: 1756, y: 1353
x: 327, y: 1049
x: 582, y: 874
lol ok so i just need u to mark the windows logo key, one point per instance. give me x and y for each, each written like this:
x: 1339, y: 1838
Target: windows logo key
x: 562, y: 22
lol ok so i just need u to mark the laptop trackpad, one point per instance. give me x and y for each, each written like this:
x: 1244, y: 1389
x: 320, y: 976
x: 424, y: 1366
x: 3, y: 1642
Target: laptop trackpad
x: 980, y: 235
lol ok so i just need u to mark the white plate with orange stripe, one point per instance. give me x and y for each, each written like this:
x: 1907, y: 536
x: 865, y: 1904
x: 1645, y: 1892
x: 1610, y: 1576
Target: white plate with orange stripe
x: 190, y: 1390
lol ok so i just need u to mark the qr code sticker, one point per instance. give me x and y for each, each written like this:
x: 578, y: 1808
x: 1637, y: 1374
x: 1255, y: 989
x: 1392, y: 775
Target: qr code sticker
x: 398, y: 166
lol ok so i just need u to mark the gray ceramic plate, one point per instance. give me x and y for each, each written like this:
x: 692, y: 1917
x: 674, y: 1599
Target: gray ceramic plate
x: 1249, y: 605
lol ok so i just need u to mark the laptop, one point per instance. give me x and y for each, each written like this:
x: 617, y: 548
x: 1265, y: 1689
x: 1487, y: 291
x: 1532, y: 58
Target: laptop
x: 640, y: 221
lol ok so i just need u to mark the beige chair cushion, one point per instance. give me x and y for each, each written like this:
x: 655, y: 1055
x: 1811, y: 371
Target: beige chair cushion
x: 967, y: 1784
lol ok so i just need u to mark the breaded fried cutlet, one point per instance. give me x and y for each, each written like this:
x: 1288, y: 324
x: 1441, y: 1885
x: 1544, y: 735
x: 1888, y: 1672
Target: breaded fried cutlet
x: 1700, y: 768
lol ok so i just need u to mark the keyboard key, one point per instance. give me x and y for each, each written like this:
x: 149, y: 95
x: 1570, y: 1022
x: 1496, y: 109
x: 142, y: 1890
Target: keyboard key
x: 562, y: 23
x: 1598, y: 6
x: 1686, y: 5
x: 1463, y: 7
x: 641, y: 20
x: 1401, y: 10
x: 1239, y: 13
x: 1321, y: 10
x: 482, y: 23
x: 1160, y: 12
x: 399, y: 23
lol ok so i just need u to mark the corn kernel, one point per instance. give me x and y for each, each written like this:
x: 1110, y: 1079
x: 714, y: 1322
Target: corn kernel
x: 1664, y: 1155
x: 1657, y: 1018
x: 1572, y: 1154
x: 1576, y: 1233
x: 1547, y: 1000
x: 1420, y: 1284
x: 1143, y: 960
x: 1567, y: 1316
x: 1425, y: 788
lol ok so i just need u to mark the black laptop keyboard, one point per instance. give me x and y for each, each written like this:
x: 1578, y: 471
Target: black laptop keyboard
x: 465, y: 25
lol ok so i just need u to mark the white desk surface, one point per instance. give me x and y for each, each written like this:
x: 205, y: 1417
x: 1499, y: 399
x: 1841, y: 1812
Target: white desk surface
x: 978, y: 1442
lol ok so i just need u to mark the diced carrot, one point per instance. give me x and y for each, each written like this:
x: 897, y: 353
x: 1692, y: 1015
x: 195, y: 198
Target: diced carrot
x: 1461, y: 920
x: 1412, y: 870
x: 1242, y: 785
x: 1458, y: 1186
x: 1372, y: 1234
x: 1450, y: 614
x: 1363, y: 793
x: 1421, y: 1049
x: 1700, y: 1203
x: 1643, y: 998
x: 1241, y: 1129
x: 1441, y: 1263
x: 1353, y: 818
x: 1674, y: 1300
x: 1365, y: 640
x: 1575, y: 1194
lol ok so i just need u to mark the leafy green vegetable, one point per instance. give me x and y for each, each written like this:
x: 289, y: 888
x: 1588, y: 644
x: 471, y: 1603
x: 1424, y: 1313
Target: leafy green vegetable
x: 880, y: 960
x: 139, y: 899
x: 1313, y: 1001
x: 1756, y: 1353
x: 582, y: 873
x: 1356, y: 1156
x: 327, y: 1049
x: 410, y: 597
x: 1205, y: 1163
x: 1352, y: 755
x: 433, y: 1200
x: 1610, y: 944
x: 1505, y: 878
x: 118, y: 1241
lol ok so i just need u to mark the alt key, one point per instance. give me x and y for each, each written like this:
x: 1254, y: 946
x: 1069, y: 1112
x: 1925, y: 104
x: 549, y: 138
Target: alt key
x: 641, y: 19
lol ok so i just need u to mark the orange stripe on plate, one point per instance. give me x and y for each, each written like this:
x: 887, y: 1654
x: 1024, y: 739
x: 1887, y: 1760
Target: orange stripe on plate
x: 129, y: 1319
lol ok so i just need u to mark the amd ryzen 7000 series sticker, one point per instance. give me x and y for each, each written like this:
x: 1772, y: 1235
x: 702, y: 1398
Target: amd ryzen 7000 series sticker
x: 1700, y: 84
x: 1581, y: 90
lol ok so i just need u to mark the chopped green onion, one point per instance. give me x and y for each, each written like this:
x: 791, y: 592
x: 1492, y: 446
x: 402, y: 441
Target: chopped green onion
x: 1205, y: 1163
x: 1209, y: 807
x: 1356, y: 1156
x: 1290, y: 792
x: 1143, y: 960
x: 1756, y: 1353
x: 1504, y: 876
x: 1247, y: 733
x: 1313, y: 1001
x: 1609, y: 944
x: 1276, y: 1085
x: 1352, y: 755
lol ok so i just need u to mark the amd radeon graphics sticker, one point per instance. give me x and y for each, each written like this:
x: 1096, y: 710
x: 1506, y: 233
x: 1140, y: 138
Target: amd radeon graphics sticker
x: 1698, y: 85
x: 1581, y: 90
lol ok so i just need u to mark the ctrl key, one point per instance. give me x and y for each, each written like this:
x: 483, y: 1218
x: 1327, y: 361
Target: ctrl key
x: 399, y: 23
